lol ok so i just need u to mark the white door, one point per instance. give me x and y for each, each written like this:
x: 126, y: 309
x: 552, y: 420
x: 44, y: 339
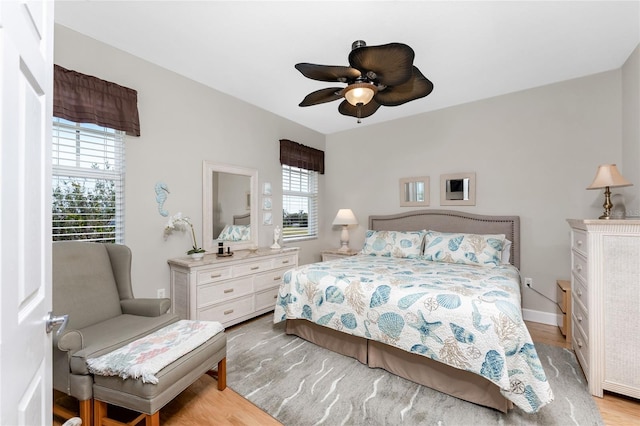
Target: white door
x: 26, y: 93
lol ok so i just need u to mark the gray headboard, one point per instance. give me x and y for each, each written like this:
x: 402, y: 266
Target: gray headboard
x: 453, y: 221
x: 242, y: 219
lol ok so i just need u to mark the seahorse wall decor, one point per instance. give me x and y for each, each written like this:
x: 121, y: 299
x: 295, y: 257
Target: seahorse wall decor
x: 161, y: 196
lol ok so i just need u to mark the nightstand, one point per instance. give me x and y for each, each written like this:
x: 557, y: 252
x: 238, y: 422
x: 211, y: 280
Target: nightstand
x: 564, y: 303
x: 332, y: 254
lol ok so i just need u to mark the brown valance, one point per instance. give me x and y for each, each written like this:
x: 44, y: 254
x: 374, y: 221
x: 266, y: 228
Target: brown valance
x: 82, y: 98
x: 301, y: 156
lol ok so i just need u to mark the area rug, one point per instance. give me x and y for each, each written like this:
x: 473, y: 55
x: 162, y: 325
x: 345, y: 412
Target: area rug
x: 302, y: 384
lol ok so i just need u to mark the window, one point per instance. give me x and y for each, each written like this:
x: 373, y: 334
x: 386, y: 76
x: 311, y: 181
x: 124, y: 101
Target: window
x: 299, y: 203
x: 88, y: 182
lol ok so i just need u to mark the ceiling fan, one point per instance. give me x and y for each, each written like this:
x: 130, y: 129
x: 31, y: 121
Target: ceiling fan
x: 377, y: 75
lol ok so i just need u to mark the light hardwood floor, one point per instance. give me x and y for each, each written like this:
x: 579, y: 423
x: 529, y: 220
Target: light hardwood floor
x: 203, y: 404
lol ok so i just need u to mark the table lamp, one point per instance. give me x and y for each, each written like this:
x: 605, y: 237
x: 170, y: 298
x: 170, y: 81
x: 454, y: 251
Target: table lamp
x: 607, y: 177
x: 345, y: 217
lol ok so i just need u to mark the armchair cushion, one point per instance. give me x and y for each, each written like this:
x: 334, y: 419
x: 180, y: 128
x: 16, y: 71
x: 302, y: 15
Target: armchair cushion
x: 145, y: 307
x: 106, y: 336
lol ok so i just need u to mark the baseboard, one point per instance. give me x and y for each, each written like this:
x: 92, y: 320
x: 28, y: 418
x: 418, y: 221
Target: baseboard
x: 540, y: 316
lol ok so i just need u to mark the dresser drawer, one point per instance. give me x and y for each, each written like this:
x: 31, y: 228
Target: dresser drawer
x: 227, y: 312
x: 213, y: 275
x: 581, y: 348
x: 579, y: 266
x: 267, y: 299
x: 580, y: 294
x: 210, y: 294
x: 269, y: 279
x: 290, y: 261
x: 252, y: 268
x: 579, y: 241
x: 581, y: 319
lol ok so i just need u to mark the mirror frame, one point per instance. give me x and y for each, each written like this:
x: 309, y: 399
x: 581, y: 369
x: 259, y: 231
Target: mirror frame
x: 208, y: 243
x: 472, y: 189
x: 406, y: 203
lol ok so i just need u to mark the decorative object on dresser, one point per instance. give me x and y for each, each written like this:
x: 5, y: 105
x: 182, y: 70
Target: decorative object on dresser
x: 344, y: 218
x: 179, y: 222
x: 605, y: 272
x: 607, y: 177
x: 276, y: 238
x: 332, y: 254
x: 458, y: 189
x: 229, y: 290
x: 414, y: 191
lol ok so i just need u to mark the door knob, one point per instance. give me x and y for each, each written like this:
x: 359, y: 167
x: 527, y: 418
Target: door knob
x: 60, y: 320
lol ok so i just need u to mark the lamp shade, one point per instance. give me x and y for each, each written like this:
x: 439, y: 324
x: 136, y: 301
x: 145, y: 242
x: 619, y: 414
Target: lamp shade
x: 345, y: 217
x: 608, y: 175
x: 359, y: 93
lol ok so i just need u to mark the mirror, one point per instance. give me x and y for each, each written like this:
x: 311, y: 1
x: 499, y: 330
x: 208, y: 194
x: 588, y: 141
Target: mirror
x: 458, y: 189
x: 229, y: 206
x: 414, y: 191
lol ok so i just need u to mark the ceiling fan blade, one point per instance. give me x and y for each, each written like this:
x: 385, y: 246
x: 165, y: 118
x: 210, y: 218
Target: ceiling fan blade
x: 328, y: 72
x: 321, y: 96
x: 390, y: 62
x: 417, y: 87
x: 346, y: 108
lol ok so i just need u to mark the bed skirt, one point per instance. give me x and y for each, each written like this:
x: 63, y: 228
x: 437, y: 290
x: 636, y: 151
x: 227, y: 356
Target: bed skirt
x: 417, y: 368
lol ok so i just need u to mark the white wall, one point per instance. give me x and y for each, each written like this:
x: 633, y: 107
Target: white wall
x: 533, y: 152
x: 182, y: 123
x: 631, y: 131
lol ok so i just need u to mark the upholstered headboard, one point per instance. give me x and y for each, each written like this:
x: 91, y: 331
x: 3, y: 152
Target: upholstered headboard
x: 242, y: 219
x: 453, y: 221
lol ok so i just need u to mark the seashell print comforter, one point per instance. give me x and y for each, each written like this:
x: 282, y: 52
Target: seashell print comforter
x: 468, y: 317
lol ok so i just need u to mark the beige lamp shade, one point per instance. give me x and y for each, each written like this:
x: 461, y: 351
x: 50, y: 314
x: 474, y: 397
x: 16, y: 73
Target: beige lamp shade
x: 345, y: 217
x: 608, y: 175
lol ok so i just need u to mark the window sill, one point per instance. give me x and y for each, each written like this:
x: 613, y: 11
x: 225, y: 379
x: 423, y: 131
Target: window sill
x: 297, y: 239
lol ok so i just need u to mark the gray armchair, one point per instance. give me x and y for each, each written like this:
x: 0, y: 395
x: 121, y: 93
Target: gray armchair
x: 92, y: 284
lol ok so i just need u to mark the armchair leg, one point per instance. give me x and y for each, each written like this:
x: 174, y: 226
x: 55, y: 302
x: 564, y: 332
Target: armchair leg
x: 86, y: 412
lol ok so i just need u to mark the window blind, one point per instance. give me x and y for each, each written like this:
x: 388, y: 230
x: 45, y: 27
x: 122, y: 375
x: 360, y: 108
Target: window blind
x: 88, y: 182
x: 299, y: 202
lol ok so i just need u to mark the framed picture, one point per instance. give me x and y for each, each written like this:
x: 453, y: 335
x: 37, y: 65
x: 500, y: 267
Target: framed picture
x: 248, y: 200
x: 266, y: 203
x: 266, y: 188
x: 458, y: 189
x: 267, y: 218
x: 414, y: 191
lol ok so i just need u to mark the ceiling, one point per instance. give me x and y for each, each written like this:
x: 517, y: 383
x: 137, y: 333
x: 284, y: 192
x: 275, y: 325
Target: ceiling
x: 470, y: 50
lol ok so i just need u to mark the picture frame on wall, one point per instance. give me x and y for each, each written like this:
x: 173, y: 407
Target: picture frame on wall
x: 266, y: 203
x: 266, y: 188
x: 267, y: 218
x: 458, y: 189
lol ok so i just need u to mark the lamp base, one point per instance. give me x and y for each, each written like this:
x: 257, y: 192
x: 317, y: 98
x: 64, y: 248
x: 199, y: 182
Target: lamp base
x: 344, y: 239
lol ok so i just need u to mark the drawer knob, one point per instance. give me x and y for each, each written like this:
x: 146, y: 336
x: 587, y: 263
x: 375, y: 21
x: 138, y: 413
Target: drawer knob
x: 230, y: 311
x: 277, y: 278
x: 275, y: 296
x: 228, y: 290
x: 253, y: 268
x: 579, y: 318
x: 579, y: 242
x: 579, y: 341
x: 579, y: 268
x: 216, y: 275
x: 285, y: 262
x: 579, y: 292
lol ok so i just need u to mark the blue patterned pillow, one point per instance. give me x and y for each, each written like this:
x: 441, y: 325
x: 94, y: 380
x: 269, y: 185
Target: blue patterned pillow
x: 235, y: 233
x: 393, y: 243
x: 470, y: 249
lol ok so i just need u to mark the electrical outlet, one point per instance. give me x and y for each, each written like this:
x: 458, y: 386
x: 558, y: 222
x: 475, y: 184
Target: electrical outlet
x: 161, y: 293
x: 528, y: 282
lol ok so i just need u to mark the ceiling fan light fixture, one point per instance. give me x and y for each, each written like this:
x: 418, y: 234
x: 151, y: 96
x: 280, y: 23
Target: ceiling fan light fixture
x: 359, y: 93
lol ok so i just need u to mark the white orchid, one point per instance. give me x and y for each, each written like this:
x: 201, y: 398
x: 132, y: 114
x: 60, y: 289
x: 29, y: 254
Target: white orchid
x: 179, y: 222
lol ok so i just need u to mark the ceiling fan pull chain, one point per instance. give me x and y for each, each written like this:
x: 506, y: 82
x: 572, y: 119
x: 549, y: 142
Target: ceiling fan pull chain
x: 359, y: 111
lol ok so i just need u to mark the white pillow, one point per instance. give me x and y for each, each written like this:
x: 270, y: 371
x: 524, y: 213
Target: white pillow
x: 393, y: 243
x: 470, y: 249
x: 506, y: 252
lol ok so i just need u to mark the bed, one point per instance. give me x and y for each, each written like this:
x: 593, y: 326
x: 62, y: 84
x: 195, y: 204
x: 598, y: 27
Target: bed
x: 452, y: 324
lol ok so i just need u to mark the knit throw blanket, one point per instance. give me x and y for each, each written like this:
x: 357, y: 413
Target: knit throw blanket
x: 143, y: 358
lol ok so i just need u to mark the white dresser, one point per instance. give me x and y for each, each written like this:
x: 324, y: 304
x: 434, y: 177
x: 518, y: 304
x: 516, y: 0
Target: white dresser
x: 229, y: 289
x: 605, y: 282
